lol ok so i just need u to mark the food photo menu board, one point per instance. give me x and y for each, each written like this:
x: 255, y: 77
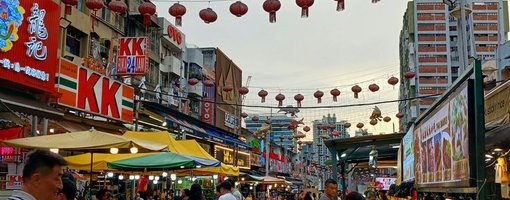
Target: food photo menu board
x: 441, y: 143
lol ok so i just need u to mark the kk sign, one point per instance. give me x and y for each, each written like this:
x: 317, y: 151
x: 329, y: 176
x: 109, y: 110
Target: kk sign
x: 86, y: 90
x: 29, y: 32
x: 133, y: 56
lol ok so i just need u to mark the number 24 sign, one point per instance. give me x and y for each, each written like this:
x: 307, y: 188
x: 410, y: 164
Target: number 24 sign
x: 133, y: 58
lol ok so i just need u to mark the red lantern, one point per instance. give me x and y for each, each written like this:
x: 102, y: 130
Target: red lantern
x: 347, y: 125
x: 255, y: 118
x: 340, y: 5
x: 209, y: 83
x: 290, y: 138
x: 291, y: 127
x: 360, y: 125
x: 409, y: 75
x: 387, y: 119
x: 271, y: 6
x: 306, y: 152
x: 356, y: 89
x: 299, y: 98
x: 373, y: 122
x: 94, y: 4
x: 281, y: 138
x: 300, y: 142
x: 304, y: 4
x: 306, y: 128
x: 238, y: 8
x: 192, y: 81
x: 147, y: 9
x: 244, y: 115
x: 117, y: 6
x: 399, y: 115
x: 319, y: 145
x: 332, y: 126
x: 313, y: 153
x: 263, y: 94
x: 69, y: 5
x: 280, y: 97
x: 393, y: 81
x: 375, y: 1
x: 208, y: 15
x: 268, y: 121
x: 318, y: 95
x: 335, y: 92
x: 373, y: 87
x: 243, y: 90
x: 227, y: 88
x: 177, y: 10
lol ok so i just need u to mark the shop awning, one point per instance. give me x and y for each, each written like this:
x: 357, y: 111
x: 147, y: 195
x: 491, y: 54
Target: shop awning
x: 25, y: 104
x: 8, y: 119
x: 197, y: 127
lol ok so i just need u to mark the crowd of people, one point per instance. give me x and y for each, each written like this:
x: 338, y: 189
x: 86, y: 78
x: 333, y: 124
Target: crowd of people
x: 43, y: 179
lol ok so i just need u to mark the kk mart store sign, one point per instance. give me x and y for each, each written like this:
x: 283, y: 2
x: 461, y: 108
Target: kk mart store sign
x: 86, y: 90
x: 227, y: 156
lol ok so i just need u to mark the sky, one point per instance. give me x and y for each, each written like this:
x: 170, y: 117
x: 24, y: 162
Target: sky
x: 327, y: 50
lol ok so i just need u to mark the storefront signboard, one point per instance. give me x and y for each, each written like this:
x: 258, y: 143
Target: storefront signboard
x: 89, y: 91
x: 497, y: 106
x: 227, y: 156
x: 29, y: 33
x: 408, y: 156
x: 230, y: 120
x: 441, y: 142
x: 133, y: 58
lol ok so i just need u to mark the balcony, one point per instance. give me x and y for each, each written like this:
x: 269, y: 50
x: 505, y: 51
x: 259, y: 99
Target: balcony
x: 171, y: 64
x: 195, y: 90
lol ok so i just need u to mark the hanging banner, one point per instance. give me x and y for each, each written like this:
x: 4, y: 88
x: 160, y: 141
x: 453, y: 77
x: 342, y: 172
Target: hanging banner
x: 89, y: 91
x: 29, y: 34
x: 133, y: 58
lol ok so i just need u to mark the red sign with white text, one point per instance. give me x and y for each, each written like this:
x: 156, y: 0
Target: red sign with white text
x: 207, y: 111
x: 29, y: 32
x: 174, y: 34
x: 133, y: 58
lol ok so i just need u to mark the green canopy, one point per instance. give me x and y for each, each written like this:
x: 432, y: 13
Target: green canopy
x: 161, y: 161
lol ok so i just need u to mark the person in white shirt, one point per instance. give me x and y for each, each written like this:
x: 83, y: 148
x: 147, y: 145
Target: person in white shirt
x: 42, y: 176
x: 226, y: 191
x: 235, y: 191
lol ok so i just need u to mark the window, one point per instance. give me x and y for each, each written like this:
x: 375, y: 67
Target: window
x: 453, y: 28
x: 73, y: 41
x: 105, y: 14
x: 119, y: 21
x: 81, y: 5
x: 153, y: 75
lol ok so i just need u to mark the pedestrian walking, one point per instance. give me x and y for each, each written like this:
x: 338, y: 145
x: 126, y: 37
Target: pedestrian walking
x: 42, y: 176
x: 69, y: 189
x: 330, y: 190
x: 226, y: 191
x: 235, y: 191
x: 354, y: 196
x: 196, y: 192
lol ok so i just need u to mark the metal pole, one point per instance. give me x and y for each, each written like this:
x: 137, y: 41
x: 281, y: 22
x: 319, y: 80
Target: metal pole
x: 334, y: 164
x: 463, y: 51
x: 479, y: 131
x: 268, y: 146
x: 45, y: 126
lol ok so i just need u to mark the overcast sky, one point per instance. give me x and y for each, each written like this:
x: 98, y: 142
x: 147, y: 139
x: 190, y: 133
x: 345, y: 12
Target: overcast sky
x: 327, y: 50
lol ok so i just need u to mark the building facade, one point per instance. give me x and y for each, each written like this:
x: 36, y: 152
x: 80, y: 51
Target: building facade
x: 317, y: 132
x: 430, y: 46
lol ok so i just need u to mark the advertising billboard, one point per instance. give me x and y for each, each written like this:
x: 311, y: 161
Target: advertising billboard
x: 29, y: 34
x: 133, y: 58
x: 441, y: 142
x: 384, y: 183
x: 89, y: 91
x: 408, y: 156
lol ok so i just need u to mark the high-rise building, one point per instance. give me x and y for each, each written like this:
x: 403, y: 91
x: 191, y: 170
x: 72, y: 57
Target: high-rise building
x: 279, y: 128
x: 430, y: 46
x: 317, y: 132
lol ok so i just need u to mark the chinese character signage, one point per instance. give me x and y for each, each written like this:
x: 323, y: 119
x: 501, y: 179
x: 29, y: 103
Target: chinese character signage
x: 29, y: 34
x: 227, y: 156
x: 86, y: 90
x: 133, y: 58
x: 230, y: 120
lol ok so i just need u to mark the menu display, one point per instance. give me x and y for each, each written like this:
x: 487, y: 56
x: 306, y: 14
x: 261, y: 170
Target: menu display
x: 408, y: 156
x: 440, y: 143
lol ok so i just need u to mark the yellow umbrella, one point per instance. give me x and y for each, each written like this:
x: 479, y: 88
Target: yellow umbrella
x: 91, y: 140
x: 100, y: 161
